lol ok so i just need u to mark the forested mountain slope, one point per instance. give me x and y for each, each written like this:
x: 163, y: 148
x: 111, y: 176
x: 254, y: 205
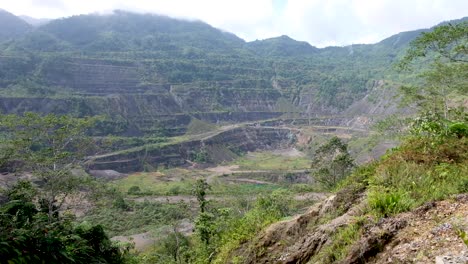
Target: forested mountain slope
x: 12, y: 26
x: 152, y: 74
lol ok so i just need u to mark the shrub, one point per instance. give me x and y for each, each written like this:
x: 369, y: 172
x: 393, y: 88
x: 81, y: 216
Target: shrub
x: 342, y: 240
x: 29, y: 235
x: 134, y: 190
x: 459, y: 129
x: 389, y: 202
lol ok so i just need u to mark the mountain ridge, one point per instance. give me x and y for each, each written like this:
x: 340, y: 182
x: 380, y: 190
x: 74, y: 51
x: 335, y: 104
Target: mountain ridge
x: 12, y: 26
x: 152, y: 71
x: 38, y: 22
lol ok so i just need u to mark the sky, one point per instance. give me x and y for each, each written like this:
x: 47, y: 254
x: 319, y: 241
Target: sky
x: 319, y: 22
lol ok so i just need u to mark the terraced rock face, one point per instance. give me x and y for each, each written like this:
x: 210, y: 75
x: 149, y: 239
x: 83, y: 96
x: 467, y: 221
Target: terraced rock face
x: 222, y: 146
x: 116, y: 89
x: 149, y: 73
x: 153, y: 76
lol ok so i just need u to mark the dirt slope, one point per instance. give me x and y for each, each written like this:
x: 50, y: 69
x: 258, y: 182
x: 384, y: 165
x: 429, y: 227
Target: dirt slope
x: 429, y: 234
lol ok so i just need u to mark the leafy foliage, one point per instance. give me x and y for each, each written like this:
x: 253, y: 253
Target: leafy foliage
x: 32, y: 227
x: 200, y: 189
x: 332, y: 163
x: 50, y: 147
x: 389, y: 202
x: 232, y: 231
x: 447, y: 49
x: 449, y: 41
x: 136, y: 217
x: 28, y: 235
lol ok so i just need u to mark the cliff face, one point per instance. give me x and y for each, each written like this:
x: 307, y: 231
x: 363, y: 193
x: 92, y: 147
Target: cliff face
x: 116, y: 89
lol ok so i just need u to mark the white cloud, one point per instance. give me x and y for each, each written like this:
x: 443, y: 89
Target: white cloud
x: 320, y: 22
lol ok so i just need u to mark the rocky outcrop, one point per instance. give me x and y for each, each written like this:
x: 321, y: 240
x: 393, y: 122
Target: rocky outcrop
x: 430, y: 233
x: 298, y: 239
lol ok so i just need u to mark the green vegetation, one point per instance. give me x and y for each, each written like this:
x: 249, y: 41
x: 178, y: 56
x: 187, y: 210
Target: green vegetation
x: 160, y: 66
x: 431, y: 162
x: 244, y: 189
x: 270, y: 161
x: 50, y: 147
x: 429, y: 165
x: 389, y: 202
x: 28, y: 234
x: 151, y: 183
x: 136, y: 217
x: 462, y: 234
x: 12, y: 26
x: 134, y: 190
x: 147, y: 53
x: 33, y: 228
x: 341, y: 241
x: 420, y: 170
x: 268, y: 209
x: 332, y: 163
x: 197, y: 126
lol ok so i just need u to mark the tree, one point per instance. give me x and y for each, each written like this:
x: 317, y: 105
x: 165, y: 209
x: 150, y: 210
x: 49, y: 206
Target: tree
x: 446, y: 42
x: 50, y: 147
x: 204, y: 224
x: 28, y: 236
x: 31, y: 228
x: 446, y: 47
x: 201, y: 187
x: 332, y: 162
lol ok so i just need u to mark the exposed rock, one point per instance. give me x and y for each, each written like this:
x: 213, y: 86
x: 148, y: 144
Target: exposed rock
x: 298, y: 239
x: 107, y: 174
x: 426, y: 234
x: 220, y: 144
x: 450, y: 259
x: 431, y: 234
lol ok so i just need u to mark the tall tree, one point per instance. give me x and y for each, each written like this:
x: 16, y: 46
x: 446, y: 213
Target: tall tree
x: 332, y: 162
x: 50, y: 147
x: 446, y: 49
x: 200, y: 189
x: 447, y: 42
x: 31, y: 229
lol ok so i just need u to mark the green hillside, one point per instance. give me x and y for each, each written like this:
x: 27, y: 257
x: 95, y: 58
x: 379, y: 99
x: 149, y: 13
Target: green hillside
x: 150, y: 73
x: 12, y: 26
x: 187, y: 144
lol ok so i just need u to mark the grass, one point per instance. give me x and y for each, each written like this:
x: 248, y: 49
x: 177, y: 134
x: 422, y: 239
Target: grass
x: 243, y: 188
x: 269, y: 161
x: 197, y: 126
x: 418, y: 172
x: 389, y: 202
x: 340, y: 244
x: 182, y: 181
x: 155, y: 183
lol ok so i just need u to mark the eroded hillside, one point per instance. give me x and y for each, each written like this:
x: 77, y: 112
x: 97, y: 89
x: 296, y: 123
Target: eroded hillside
x: 151, y: 76
x: 366, y: 222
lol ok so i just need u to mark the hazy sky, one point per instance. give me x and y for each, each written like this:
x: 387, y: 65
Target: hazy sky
x: 320, y: 22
